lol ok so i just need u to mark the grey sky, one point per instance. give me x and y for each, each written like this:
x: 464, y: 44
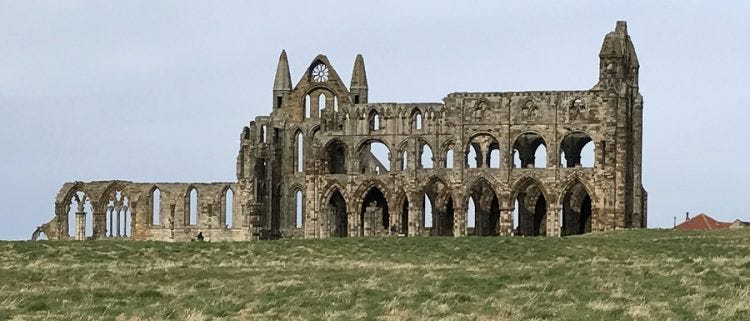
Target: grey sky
x: 159, y: 90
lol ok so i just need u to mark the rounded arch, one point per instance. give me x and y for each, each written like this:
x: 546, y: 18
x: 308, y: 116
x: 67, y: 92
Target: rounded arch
x: 485, y: 148
x: 363, y: 143
x: 525, y: 147
x: 572, y: 145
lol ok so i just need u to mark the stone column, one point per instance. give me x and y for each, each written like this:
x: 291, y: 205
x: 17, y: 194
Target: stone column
x: 117, y: 223
x: 80, y: 225
x: 553, y: 220
x: 505, y: 223
x: 459, y: 221
x: 110, y: 223
x: 415, y: 220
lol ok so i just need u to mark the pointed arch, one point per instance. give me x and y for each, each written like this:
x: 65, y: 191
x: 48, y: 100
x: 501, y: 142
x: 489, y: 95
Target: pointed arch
x: 576, y: 204
x: 227, y: 206
x: 299, y: 159
x: 155, y: 205
x: 437, y: 206
x: 321, y: 103
x: 373, y: 120
x: 486, y: 206
x: 299, y: 208
x: 416, y: 119
x: 335, y: 211
x: 425, y: 159
x: 533, y: 202
x: 335, y: 156
x: 191, y: 205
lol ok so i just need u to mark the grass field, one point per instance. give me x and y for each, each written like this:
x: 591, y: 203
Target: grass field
x: 626, y: 275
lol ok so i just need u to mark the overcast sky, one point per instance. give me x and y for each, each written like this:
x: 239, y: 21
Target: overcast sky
x: 160, y: 90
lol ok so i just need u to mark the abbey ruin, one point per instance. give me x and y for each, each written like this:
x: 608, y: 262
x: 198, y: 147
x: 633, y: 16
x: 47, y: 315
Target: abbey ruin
x: 327, y: 162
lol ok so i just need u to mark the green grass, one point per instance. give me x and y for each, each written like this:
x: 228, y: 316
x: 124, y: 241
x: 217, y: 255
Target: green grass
x: 626, y: 275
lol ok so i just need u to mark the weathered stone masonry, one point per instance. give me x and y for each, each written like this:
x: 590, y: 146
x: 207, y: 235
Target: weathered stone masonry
x: 319, y: 144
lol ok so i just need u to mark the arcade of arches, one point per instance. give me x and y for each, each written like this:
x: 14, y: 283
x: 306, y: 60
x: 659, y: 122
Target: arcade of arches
x: 327, y: 162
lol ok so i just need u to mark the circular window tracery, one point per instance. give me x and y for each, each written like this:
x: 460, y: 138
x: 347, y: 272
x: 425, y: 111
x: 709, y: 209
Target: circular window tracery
x: 320, y: 73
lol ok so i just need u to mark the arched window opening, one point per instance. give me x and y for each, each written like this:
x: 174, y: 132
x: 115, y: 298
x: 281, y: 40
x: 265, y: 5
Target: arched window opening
x: 540, y: 156
x: 471, y: 215
x: 494, y: 160
x: 125, y: 210
x: 307, y: 106
x: 373, y: 120
x: 228, y: 208
x: 577, y: 150
x: 264, y: 133
x: 587, y: 155
x: 374, y: 213
x: 527, y: 149
x: 89, y: 218
x: 193, y: 208
x: 480, y: 152
x: 427, y: 211
x: 425, y: 159
x: 532, y: 210
x: 300, y: 151
x: 404, y: 161
x: 449, y: 159
x: 335, y: 104
x: 299, y: 203
x: 156, y: 206
x: 321, y: 103
x: 337, y: 219
x: 473, y: 156
x: 375, y: 158
x: 576, y: 213
x: 416, y: 119
x: 75, y: 206
x: 336, y: 154
x: 516, y: 159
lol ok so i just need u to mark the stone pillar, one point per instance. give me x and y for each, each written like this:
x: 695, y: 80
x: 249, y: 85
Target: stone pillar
x: 415, y: 220
x: 111, y: 223
x: 125, y: 217
x: 80, y: 225
x: 553, y: 220
x: 394, y: 221
x: 505, y: 223
x: 117, y: 223
x: 459, y: 221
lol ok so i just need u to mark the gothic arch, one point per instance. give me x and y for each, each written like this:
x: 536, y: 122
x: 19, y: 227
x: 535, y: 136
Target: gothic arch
x: 571, y: 182
x: 331, y: 187
x: 367, y: 185
x: 524, y: 182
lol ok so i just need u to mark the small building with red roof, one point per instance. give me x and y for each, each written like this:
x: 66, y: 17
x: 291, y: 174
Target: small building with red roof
x: 702, y: 222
